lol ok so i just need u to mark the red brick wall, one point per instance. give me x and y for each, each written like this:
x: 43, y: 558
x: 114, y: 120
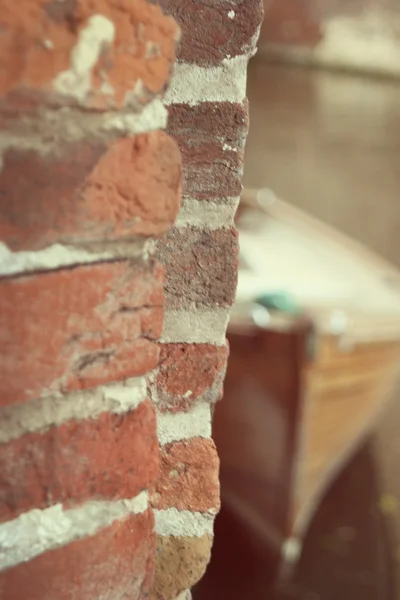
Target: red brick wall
x: 118, y: 264
x: 87, y: 178
x: 208, y: 116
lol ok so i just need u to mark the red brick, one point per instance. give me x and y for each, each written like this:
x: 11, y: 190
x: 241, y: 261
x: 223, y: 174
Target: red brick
x: 225, y: 121
x: 90, y: 192
x: 211, y: 138
x: 195, y: 368
x: 37, y: 41
x: 209, y: 171
x: 78, y: 328
x: 208, y: 34
x: 110, y: 458
x: 188, y: 478
x: 180, y: 563
x: 117, y: 562
x: 201, y: 267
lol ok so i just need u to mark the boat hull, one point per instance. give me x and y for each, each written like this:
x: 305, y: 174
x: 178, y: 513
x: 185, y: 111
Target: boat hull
x: 289, y: 422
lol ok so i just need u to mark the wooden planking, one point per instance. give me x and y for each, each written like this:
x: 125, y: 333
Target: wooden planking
x: 346, y: 392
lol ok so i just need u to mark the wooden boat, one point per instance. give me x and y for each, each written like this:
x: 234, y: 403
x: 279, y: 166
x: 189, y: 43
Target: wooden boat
x: 308, y: 375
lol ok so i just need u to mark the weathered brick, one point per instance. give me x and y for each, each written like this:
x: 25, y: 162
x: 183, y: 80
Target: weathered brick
x: 188, y: 478
x: 180, y: 563
x: 210, y: 170
x: 188, y: 372
x: 214, y: 31
x: 111, y: 457
x: 211, y: 137
x: 118, y: 558
x: 201, y: 267
x: 224, y: 121
x: 89, y: 191
x: 42, y: 43
x: 78, y: 328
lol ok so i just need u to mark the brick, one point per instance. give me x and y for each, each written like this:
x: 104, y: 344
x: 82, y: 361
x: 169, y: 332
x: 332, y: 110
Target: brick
x: 180, y: 563
x: 118, y: 558
x: 38, y: 40
x: 211, y: 138
x: 109, y: 458
x: 78, y: 328
x: 188, y: 478
x: 212, y: 32
x: 188, y: 372
x: 209, y: 170
x: 225, y: 121
x: 201, y: 267
x: 89, y: 191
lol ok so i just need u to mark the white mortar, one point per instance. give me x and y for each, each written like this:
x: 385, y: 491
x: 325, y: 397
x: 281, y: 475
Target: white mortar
x: 57, y: 256
x: 186, y: 595
x: 76, y: 82
x: 183, y: 523
x: 192, y: 84
x: 38, y: 531
x: 196, y: 326
x: 207, y: 215
x: 153, y: 116
x: 173, y: 427
x: 39, y: 415
x: 52, y: 257
x: 44, y: 131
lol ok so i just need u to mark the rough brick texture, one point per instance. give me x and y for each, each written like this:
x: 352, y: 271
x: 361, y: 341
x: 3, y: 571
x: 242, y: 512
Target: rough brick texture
x: 118, y: 558
x: 61, y: 53
x: 186, y: 468
x: 180, y: 563
x: 89, y: 191
x: 86, y: 179
x: 109, y: 458
x: 212, y: 32
x: 209, y: 120
x: 225, y: 121
x: 197, y: 272
x: 211, y: 137
x: 189, y: 373
x: 78, y: 328
x: 211, y: 170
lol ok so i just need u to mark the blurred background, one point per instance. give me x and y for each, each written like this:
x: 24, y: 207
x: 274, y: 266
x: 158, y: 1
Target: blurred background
x: 324, y: 92
x: 326, y: 137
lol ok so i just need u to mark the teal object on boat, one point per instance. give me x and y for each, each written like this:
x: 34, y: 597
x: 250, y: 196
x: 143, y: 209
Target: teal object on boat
x: 281, y: 301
